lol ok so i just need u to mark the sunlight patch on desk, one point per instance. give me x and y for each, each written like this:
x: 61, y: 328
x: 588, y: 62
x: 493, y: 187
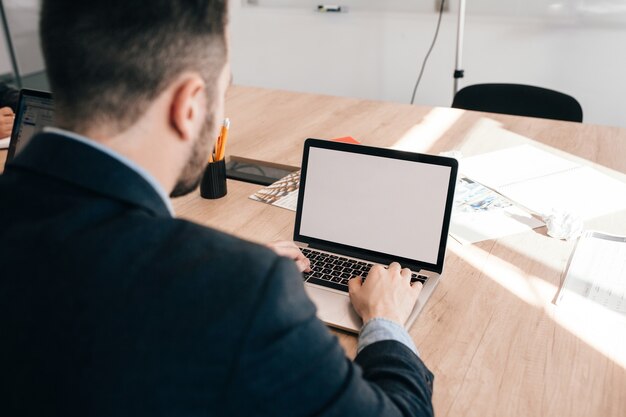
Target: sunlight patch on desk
x: 606, y: 337
x: 422, y: 137
x: 487, y: 135
x: 503, y: 273
x: 597, y: 327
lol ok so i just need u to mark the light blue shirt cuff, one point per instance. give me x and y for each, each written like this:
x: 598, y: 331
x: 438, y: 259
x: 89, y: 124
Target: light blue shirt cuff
x: 379, y: 329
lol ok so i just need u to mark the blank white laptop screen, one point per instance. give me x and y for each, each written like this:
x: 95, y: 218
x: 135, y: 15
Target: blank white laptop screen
x: 381, y: 204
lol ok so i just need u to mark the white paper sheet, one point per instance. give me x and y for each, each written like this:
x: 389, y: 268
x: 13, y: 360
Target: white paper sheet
x: 541, y: 182
x: 583, y: 191
x: 596, y: 277
x: 513, y: 165
x: 482, y: 214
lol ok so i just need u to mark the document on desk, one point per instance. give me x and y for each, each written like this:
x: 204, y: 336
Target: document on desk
x: 482, y: 214
x: 283, y: 193
x: 596, y: 276
x: 4, y: 143
x: 542, y: 182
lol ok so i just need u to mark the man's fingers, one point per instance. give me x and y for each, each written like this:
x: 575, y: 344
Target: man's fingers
x: 354, y: 284
x: 290, y: 250
x: 304, y: 265
x: 287, y: 249
x: 417, y: 287
x: 394, y: 267
x: 376, y: 268
x: 294, y: 253
x: 406, y: 273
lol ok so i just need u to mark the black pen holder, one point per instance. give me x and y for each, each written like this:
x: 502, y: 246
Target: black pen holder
x: 213, y: 183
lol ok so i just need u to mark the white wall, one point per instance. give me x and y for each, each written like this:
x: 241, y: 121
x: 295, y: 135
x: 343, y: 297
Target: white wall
x: 5, y: 63
x: 377, y: 55
x: 23, y: 17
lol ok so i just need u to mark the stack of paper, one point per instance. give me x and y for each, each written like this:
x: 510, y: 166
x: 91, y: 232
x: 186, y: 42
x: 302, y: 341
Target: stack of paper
x: 596, y: 277
x: 482, y: 214
x: 543, y: 182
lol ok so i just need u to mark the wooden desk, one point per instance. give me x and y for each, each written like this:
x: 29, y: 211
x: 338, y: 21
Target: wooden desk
x: 496, y: 344
x: 492, y: 337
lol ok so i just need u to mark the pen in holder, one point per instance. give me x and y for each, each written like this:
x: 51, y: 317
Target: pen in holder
x: 213, y: 183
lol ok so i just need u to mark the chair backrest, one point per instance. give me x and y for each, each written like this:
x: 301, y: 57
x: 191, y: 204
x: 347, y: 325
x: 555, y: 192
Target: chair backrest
x: 519, y: 100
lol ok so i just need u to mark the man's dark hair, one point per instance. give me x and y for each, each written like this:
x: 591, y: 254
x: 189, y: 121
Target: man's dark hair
x: 108, y: 59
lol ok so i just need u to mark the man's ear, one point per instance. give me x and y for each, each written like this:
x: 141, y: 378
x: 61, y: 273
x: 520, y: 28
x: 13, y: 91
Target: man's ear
x: 188, y: 106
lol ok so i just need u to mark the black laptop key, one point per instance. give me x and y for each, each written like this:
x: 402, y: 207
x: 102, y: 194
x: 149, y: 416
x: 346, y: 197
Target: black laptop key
x: 420, y: 278
x: 328, y: 284
x: 336, y: 279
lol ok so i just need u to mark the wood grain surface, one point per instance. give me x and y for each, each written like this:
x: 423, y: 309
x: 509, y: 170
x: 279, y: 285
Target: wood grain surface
x: 491, y: 334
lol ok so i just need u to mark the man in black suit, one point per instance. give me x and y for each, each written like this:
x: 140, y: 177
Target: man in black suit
x: 109, y: 305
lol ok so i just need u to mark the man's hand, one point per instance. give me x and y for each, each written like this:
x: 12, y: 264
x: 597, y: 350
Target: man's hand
x: 6, y: 121
x: 386, y: 293
x: 289, y: 250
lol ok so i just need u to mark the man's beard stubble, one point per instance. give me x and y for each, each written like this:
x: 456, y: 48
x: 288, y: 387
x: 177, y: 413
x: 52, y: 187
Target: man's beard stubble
x: 191, y: 175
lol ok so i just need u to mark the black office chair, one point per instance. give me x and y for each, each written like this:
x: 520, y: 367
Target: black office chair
x: 519, y: 100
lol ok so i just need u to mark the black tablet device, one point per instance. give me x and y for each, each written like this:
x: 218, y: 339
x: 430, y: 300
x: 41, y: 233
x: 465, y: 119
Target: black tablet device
x: 35, y: 110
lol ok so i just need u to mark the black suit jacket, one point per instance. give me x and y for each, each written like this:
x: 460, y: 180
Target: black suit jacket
x: 110, y: 307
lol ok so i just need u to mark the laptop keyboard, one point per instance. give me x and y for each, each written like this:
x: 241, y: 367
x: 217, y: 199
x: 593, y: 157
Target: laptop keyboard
x: 335, y: 271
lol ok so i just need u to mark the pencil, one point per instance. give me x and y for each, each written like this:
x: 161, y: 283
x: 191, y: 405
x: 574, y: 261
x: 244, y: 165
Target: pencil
x: 221, y: 142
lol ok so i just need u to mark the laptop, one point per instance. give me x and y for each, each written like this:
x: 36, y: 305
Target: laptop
x: 359, y: 206
x: 35, y: 110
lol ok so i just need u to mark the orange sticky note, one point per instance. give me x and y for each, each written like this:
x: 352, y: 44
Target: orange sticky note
x: 347, y: 139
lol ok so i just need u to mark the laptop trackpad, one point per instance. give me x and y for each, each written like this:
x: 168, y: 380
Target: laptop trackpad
x: 334, y: 308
